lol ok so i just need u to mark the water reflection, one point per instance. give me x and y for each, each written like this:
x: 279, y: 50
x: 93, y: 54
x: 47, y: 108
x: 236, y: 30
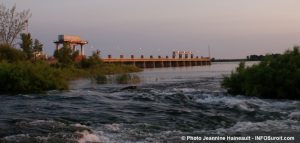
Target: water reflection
x: 175, y: 74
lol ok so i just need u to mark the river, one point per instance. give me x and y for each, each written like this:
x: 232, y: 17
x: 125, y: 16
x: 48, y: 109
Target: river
x: 168, y: 103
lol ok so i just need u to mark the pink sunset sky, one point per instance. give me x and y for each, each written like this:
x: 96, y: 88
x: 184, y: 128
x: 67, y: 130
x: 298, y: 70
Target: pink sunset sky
x: 232, y: 28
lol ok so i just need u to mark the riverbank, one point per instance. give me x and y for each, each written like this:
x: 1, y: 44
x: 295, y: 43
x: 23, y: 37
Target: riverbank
x: 36, y: 77
x: 274, y: 77
x: 187, y: 101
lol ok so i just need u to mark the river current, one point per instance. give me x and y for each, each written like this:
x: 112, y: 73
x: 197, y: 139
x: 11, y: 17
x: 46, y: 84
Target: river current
x: 168, y: 103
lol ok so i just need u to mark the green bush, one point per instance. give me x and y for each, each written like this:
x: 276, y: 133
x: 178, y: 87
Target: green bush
x: 10, y: 54
x: 127, y: 79
x: 109, y: 69
x: 123, y: 79
x: 91, y: 62
x: 27, y: 77
x: 274, y: 77
x: 99, y: 71
x: 135, y: 79
x: 20, y: 75
x: 100, y: 78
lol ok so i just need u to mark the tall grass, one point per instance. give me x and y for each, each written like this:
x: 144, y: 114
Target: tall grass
x: 20, y: 76
x: 27, y: 77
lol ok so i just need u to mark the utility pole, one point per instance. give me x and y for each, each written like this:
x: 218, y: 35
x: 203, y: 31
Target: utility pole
x: 208, y: 51
x: 27, y: 27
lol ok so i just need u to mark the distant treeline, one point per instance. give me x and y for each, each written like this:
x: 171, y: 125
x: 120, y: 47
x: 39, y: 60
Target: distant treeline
x: 261, y: 57
x: 227, y: 60
x: 248, y: 58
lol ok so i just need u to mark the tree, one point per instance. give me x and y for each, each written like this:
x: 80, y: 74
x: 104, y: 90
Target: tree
x: 65, y: 55
x: 30, y: 48
x: 37, y: 46
x: 12, y: 23
x: 26, y: 44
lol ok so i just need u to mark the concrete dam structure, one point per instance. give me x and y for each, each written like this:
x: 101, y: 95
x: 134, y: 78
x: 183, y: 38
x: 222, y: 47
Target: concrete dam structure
x: 160, y: 62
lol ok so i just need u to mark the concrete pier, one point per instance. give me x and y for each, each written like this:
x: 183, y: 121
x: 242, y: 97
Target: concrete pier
x: 159, y: 62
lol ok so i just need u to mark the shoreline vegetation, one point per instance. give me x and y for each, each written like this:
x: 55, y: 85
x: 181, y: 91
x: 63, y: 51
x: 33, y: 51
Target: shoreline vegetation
x: 275, y: 77
x: 26, y: 69
x: 19, y: 75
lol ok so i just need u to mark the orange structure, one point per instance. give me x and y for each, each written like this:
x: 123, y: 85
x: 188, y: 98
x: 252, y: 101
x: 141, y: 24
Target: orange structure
x: 73, y: 41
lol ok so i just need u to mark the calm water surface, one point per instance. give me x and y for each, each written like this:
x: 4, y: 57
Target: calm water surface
x: 168, y: 103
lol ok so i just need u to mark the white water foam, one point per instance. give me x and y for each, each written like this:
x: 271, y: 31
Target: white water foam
x: 231, y: 102
x: 88, y: 137
x: 80, y: 125
x: 16, y: 138
x: 112, y: 127
x: 185, y: 90
x: 44, y: 122
x: 294, y: 116
x: 266, y: 126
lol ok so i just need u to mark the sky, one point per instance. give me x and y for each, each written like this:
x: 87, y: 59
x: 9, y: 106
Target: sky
x: 231, y: 28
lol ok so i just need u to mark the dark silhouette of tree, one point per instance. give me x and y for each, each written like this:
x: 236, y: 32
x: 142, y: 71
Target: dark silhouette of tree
x: 37, y: 46
x: 26, y: 44
x: 12, y: 23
